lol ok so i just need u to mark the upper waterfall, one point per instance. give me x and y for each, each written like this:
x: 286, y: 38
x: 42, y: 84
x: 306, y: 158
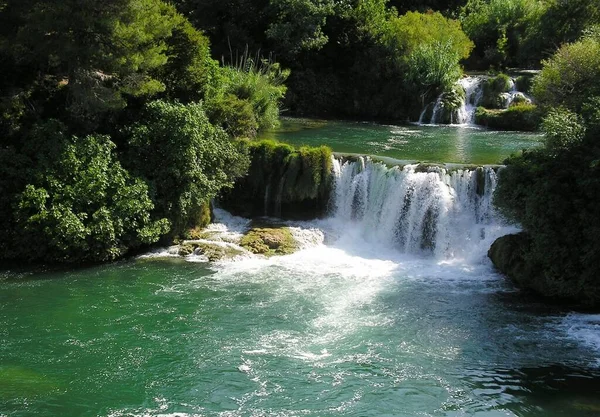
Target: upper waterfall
x: 458, y: 106
x: 447, y: 212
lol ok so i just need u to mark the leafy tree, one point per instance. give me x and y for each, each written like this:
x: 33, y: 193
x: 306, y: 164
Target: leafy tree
x: 571, y: 76
x: 430, y: 46
x: 185, y: 159
x: 554, y: 192
x: 499, y: 27
x: 299, y: 24
x: 79, y: 203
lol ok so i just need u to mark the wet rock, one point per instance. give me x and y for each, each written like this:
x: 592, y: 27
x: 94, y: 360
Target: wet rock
x: 270, y: 241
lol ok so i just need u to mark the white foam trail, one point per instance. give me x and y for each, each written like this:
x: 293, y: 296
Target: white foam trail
x: 584, y: 328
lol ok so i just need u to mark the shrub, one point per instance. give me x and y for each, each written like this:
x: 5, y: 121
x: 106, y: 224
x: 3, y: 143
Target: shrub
x: 185, y: 159
x: 259, y: 85
x: 80, y: 204
x: 570, y: 77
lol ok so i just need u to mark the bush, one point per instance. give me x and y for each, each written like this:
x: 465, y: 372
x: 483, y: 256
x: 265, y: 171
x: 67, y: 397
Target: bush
x: 261, y: 86
x: 80, y: 204
x: 563, y: 129
x: 570, y: 77
x: 185, y: 159
x: 430, y: 46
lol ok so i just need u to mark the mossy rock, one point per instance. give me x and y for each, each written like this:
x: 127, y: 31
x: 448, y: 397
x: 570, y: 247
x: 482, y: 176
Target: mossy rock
x: 269, y: 241
x: 428, y: 167
x: 493, y: 90
x: 186, y: 249
x: 523, y: 83
x: 282, y: 181
x: 522, y: 117
x: 216, y: 252
x: 513, y: 256
x: 213, y: 251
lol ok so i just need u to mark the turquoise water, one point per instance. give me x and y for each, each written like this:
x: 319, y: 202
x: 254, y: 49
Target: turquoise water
x: 347, y: 326
x: 336, y: 330
x: 455, y: 144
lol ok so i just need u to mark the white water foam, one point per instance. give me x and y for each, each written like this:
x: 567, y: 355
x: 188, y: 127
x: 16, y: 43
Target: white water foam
x: 448, y: 213
x: 584, y: 328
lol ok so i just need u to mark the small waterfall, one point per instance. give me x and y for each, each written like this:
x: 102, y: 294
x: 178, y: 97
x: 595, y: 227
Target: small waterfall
x: 465, y: 113
x: 436, y: 110
x: 448, y: 213
x: 473, y: 95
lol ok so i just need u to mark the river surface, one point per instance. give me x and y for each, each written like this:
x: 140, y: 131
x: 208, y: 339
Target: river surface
x: 390, y: 308
x: 451, y: 143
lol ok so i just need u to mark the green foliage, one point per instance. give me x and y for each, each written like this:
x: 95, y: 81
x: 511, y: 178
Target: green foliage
x: 80, y: 205
x: 498, y: 27
x: 430, y: 46
x: 554, y: 192
x: 190, y: 74
x: 298, y: 25
x: 523, y: 117
x: 522, y: 32
x: 492, y: 89
x: 269, y: 241
x: 563, y: 129
x: 185, y: 159
x: 555, y: 197
x: 571, y: 76
x: 523, y: 83
x: 249, y: 98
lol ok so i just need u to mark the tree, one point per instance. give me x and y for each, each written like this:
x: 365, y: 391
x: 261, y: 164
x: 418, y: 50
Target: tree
x: 185, y: 159
x: 79, y: 203
x: 570, y: 77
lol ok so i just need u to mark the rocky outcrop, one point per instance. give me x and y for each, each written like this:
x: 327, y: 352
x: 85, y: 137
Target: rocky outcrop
x: 511, y: 255
x: 283, y: 182
x: 522, y: 117
x: 269, y: 241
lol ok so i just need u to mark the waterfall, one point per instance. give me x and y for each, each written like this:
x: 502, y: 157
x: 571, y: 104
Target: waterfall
x: 473, y: 95
x: 416, y: 209
x: 465, y: 113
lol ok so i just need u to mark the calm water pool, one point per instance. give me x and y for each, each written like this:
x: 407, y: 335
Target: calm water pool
x: 455, y: 144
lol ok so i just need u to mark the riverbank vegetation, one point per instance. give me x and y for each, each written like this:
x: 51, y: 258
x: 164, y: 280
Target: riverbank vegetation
x: 121, y: 119
x: 554, y: 192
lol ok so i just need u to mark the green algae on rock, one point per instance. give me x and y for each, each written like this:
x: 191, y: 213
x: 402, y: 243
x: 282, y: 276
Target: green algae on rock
x: 270, y: 241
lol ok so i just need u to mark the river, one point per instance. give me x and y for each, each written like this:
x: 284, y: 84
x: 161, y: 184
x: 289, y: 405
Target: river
x: 377, y: 315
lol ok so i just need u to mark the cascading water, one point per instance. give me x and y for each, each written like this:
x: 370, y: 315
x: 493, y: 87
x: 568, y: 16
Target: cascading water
x: 473, y: 95
x: 436, y: 210
x: 465, y: 114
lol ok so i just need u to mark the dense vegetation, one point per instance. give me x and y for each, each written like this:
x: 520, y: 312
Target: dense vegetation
x: 118, y: 123
x: 117, y: 127
x: 283, y: 181
x: 554, y: 192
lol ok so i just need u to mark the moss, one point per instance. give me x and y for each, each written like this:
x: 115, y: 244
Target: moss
x: 511, y: 255
x: 523, y: 117
x: 428, y: 167
x: 451, y: 102
x: 186, y: 249
x: 523, y: 83
x: 215, y: 252
x: 282, y: 180
x: 493, y: 88
x: 269, y: 241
